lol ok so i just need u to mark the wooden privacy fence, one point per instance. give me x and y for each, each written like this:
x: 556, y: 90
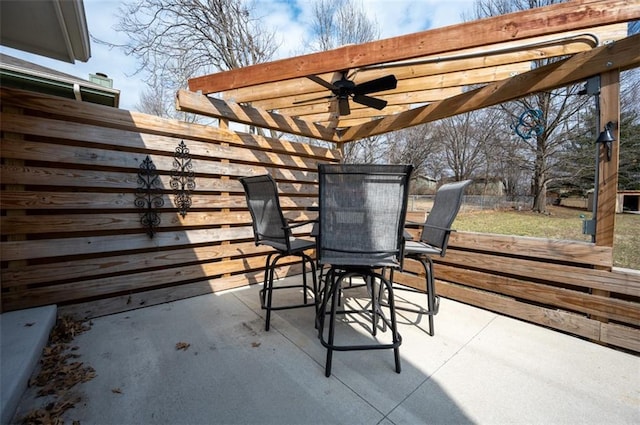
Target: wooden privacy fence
x: 71, y: 229
x: 72, y: 233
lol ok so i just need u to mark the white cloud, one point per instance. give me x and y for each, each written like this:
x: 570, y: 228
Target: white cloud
x: 289, y: 17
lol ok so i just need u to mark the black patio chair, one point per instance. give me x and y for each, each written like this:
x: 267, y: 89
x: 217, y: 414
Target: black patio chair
x: 362, y: 214
x: 434, y: 239
x: 271, y: 228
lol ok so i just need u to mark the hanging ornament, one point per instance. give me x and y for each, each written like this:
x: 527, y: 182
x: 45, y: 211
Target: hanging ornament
x: 148, y: 196
x: 530, y: 123
x: 182, y: 178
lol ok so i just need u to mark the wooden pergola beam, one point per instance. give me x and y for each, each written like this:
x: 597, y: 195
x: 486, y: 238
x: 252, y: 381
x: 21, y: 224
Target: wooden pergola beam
x: 556, y: 18
x: 622, y: 55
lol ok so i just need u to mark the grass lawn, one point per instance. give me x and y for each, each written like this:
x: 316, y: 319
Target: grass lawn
x: 560, y: 223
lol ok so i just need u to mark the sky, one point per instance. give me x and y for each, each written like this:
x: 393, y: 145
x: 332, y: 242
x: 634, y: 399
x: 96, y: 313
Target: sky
x: 289, y: 17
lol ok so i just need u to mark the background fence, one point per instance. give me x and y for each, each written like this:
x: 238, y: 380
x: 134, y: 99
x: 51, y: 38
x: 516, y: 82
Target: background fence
x: 474, y: 202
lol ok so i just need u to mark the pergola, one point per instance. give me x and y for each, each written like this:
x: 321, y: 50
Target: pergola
x: 440, y: 73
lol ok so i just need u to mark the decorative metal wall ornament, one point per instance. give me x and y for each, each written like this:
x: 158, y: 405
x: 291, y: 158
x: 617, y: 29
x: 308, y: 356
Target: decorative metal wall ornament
x: 530, y: 123
x: 149, y: 196
x: 182, y: 178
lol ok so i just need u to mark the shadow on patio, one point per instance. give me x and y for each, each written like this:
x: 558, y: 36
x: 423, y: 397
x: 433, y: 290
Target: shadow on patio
x: 480, y: 367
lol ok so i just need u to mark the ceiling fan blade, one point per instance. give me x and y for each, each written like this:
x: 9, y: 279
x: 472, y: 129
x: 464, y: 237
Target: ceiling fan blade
x: 370, y: 101
x: 298, y: 102
x: 343, y: 106
x: 322, y: 82
x: 387, y: 82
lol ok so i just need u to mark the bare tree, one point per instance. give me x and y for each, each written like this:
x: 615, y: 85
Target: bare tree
x: 336, y: 23
x: 339, y: 22
x: 464, y: 139
x: 415, y: 146
x: 366, y: 151
x: 558, y: 109
x: 174, y: 40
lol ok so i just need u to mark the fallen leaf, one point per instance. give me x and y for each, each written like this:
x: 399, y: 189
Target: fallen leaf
x: 182, y: 346
x: 57, y: 375
x: 116, y: 390
x: 255, y: 344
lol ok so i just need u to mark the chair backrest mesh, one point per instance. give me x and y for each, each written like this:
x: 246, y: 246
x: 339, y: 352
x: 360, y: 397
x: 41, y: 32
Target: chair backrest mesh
x: 269, y: 223
x: 362, y: 212
x: 443, y: 213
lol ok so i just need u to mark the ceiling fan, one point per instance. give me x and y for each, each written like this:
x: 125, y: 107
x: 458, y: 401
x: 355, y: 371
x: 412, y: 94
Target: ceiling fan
x: 343, y: 89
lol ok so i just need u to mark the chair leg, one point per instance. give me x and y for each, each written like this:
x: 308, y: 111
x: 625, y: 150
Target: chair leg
x: 269, y: 291
x: 305, y: 297
x: 432, y: 299
x: 431, y: 293
x: 334, y: 291
x: 263, y: 292
x: 314, y: 282
x: 371, y: 282
x: 394, y: 325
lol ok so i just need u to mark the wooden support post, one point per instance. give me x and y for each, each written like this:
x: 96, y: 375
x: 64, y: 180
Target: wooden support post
x: 608, y: 166
x: 608, y: 169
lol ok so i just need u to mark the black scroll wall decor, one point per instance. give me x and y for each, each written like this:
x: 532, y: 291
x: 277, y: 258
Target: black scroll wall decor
x: 149, y: 196
x: 182, y: 178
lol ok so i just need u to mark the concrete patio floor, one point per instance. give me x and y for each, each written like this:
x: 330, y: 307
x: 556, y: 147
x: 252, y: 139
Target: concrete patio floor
x: 479, y: 368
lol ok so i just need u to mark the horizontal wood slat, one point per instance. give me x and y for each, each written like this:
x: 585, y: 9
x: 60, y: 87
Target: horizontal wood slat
x: 101, y: 287
x: 553, y: 318
x: 84, y: 156
x: 549, y: 249
x: 100, y: 137
x: 50, y: 248
x: 77, y: 268
x: 620, y: 336
x: 534, y: 270
x: 67, y: 177
x: 48, y: 224
x: 87, y: 310
x: 583, y: 302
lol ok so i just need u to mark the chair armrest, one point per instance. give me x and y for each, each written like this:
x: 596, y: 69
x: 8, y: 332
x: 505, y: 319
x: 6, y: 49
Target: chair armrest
x: 446, y: 229
x: 299, y: 224
x: 414, y: 223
